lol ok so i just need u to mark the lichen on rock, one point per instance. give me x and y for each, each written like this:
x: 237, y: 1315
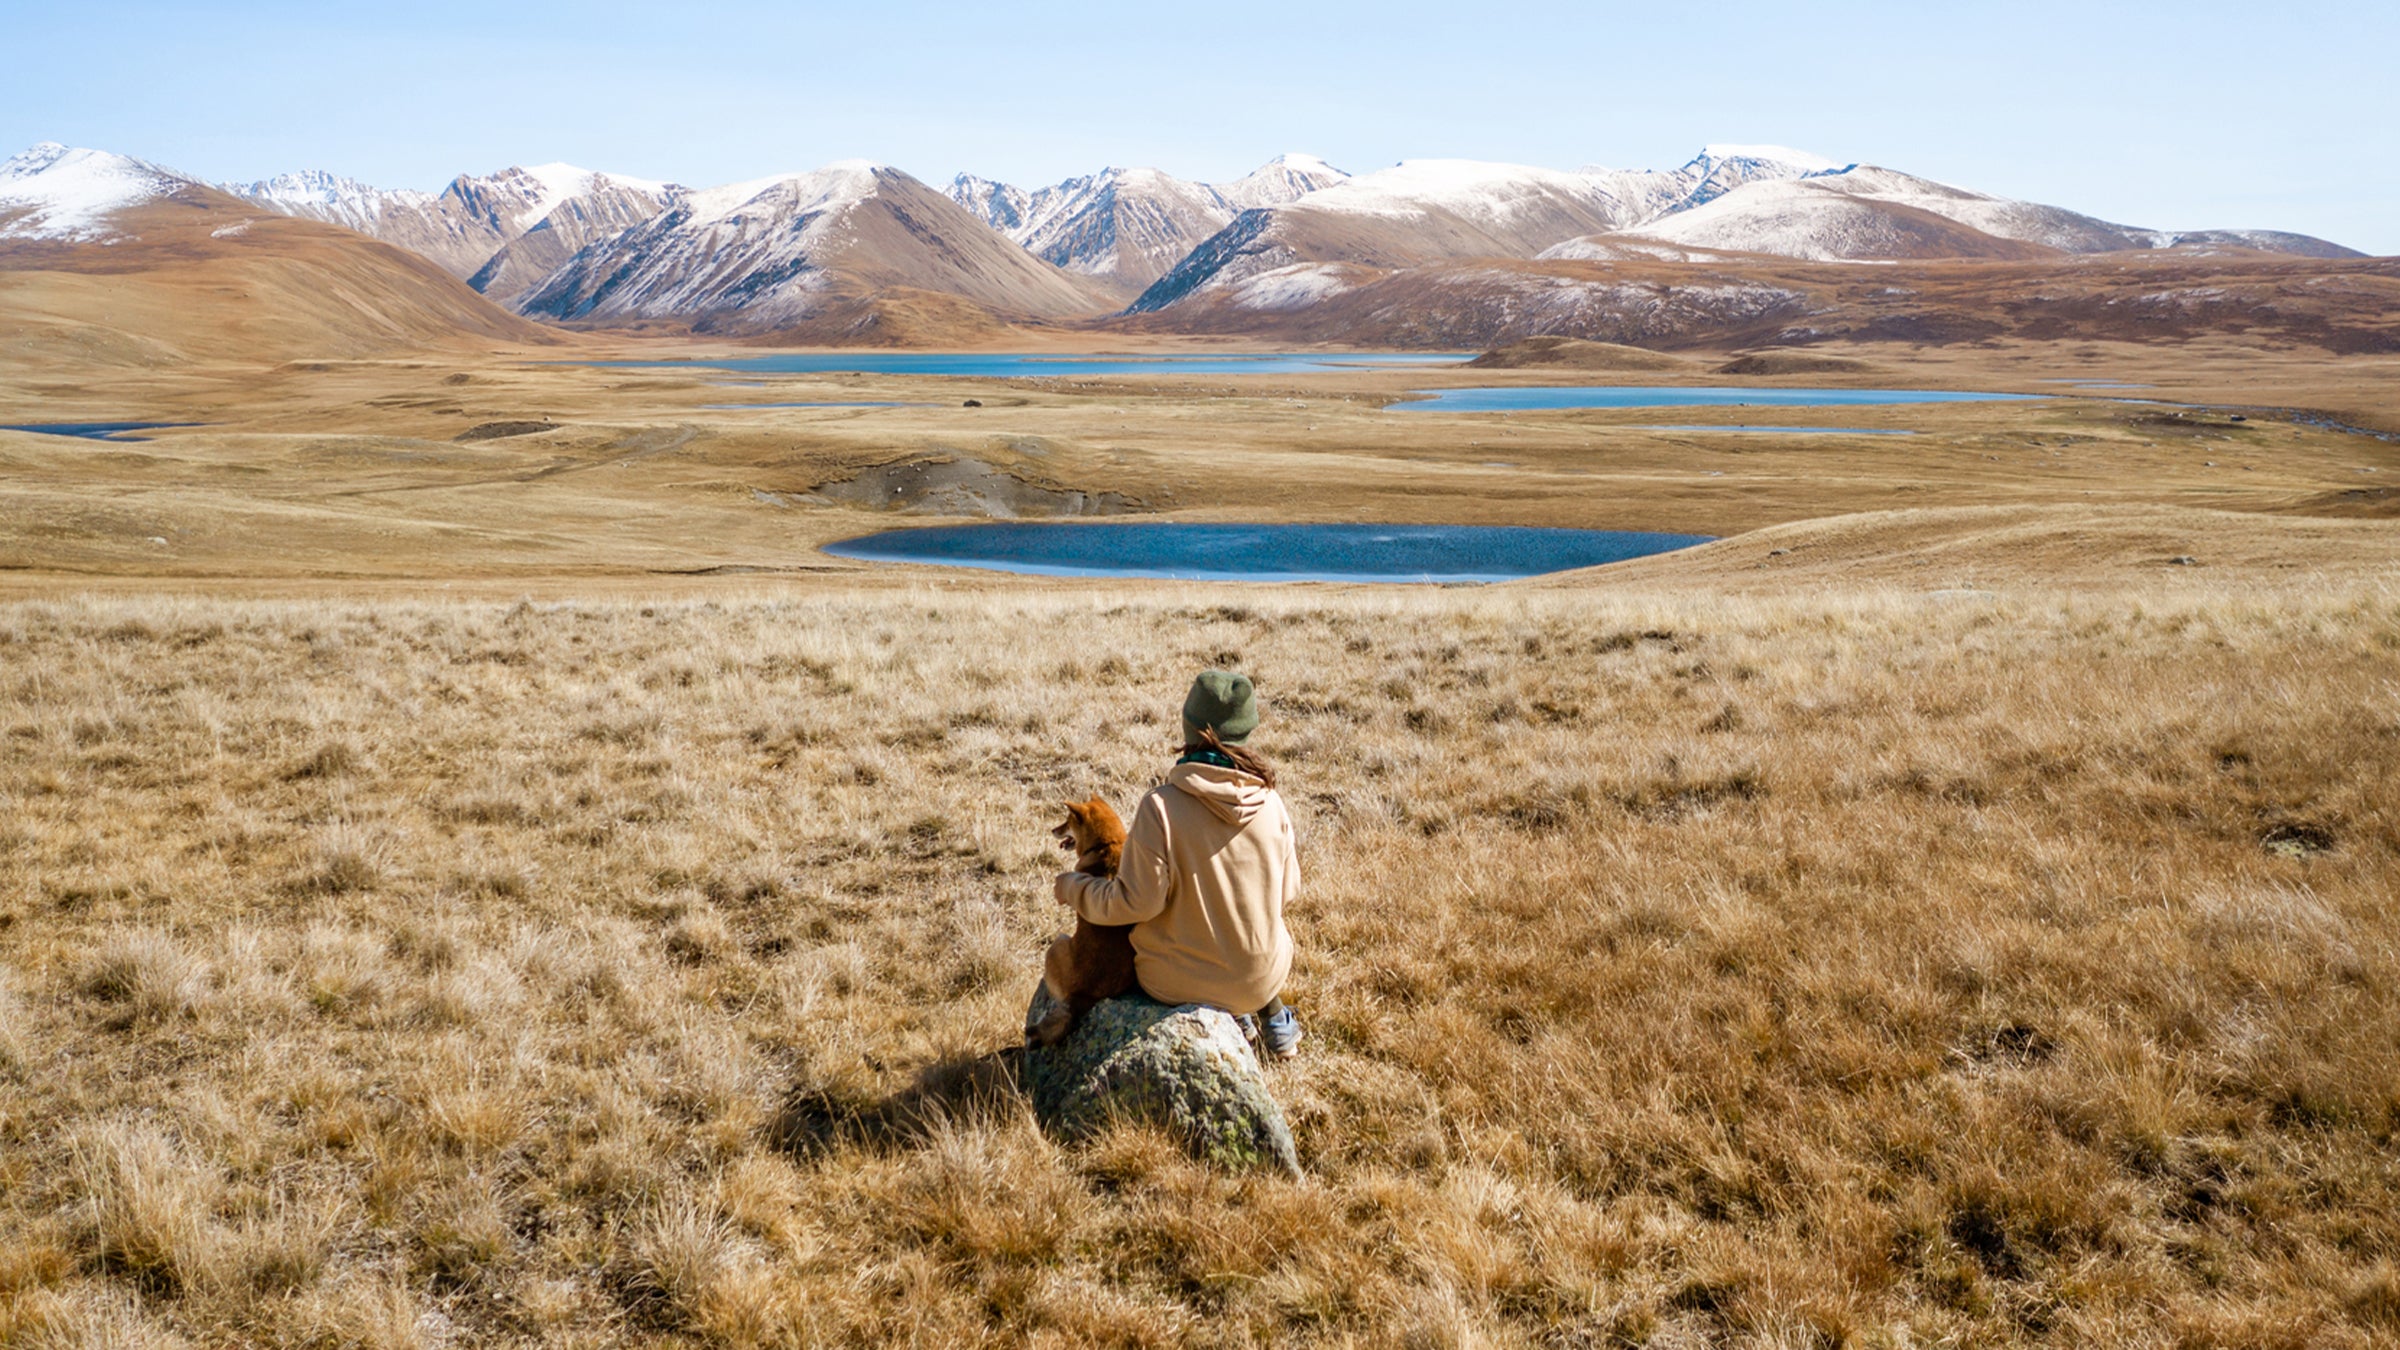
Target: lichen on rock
x: 1186, y: 1067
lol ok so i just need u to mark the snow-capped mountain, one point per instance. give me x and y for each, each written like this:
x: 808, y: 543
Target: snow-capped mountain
x: 319, y: 195
x: 1868, y: 213
x: 432, y: 224
x: 595, y: 207
x: 1719, y: 169
x: 62, y: 194
x: 999, y: 205
x: 466, y: 225
x: 1424, y: 211
x: 515, y: 200
x: 859, y: 251
x: 776, y: 253
x: 1420, y: 211
x: 1285, y: 178
x: 1126, y: 227
x: 1726, y: 201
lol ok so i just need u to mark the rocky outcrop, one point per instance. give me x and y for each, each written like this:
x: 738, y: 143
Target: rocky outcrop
x: 1185, y: 1067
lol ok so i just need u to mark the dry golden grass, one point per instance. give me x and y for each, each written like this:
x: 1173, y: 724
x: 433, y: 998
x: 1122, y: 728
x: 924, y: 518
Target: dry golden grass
x: 351, y: 469
x: 1873, y: 969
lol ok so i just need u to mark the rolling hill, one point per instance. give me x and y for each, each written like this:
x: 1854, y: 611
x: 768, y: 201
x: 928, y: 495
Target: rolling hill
x: 108, y: 260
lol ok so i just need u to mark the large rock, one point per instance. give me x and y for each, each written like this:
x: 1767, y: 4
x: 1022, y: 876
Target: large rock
x: 1186, y: 1067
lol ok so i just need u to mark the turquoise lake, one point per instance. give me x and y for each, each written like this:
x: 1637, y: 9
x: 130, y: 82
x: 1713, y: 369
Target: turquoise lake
x: 94, y: 431
x: 1531, y: 397
x: 1739, y: 426
x: 1020, y: 366
x: 1210, y: 552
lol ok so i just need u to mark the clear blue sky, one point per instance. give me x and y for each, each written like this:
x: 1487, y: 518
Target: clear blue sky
x: 2174, y: 115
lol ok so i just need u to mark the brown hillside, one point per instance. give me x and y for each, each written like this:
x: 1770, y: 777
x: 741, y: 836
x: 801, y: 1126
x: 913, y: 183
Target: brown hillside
x: 200, y: 276
x: 1562, y: 353
x: 899, y: 316
x: 909, y: 235
x: 2343, y: 306
x: 1793, y: 363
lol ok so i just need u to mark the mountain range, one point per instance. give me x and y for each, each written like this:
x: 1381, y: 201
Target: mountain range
x: 858, y: 251
x: 502, y: 232
x: 1125, y: 227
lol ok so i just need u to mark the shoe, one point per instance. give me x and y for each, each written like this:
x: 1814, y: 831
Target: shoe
x: 1279, y: 1034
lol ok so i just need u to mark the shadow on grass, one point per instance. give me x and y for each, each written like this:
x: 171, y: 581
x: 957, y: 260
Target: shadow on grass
x: 817, y: 1117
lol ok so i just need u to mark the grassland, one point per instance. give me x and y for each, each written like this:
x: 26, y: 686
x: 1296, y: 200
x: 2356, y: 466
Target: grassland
x: 1847, y: 967
x: 355, y: 470
x: 464, y: 890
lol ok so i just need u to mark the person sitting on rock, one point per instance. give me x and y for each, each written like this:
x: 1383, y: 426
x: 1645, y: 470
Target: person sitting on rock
x: 1209, y: 865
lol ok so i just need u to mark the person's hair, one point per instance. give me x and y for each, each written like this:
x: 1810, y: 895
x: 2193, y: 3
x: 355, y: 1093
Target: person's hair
x: 1244, y: 758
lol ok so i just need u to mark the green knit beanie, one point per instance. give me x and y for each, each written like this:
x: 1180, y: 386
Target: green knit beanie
x: 1223, y: 702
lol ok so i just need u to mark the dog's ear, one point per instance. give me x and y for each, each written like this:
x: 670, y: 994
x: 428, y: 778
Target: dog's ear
x: 1101, y: 818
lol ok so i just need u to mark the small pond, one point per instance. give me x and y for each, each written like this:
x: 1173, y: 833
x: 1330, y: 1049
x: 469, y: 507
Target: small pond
x: 1026, y: 365
x: 1525, y: 398
x: 93, y: 431
x: 1210, y: 552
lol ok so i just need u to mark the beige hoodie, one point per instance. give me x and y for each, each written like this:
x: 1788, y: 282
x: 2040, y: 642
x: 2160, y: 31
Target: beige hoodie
x: 1209, y: 865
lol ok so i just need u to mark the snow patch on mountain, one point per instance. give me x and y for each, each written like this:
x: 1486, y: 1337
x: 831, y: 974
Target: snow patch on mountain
x: 1295, y: 287
x: 66, y: 194
x: 557, y: 183
x: 321, y: 195
x: 1473, y: 188
x: 1627, y: 248
x: 844, y: 182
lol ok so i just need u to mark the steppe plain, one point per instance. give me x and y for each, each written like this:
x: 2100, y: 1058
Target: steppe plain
x: 515, y: 889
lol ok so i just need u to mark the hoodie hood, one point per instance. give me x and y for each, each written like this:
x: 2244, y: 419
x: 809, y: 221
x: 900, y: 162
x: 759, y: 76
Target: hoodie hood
x: 1232, y: 795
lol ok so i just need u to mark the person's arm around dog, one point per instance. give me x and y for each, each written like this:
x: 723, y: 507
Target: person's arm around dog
x: 1209, y: 865
x: 1144, y: 879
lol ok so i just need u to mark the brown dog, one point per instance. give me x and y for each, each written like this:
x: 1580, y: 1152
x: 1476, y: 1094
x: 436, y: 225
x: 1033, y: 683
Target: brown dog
x: 1096, y: 960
